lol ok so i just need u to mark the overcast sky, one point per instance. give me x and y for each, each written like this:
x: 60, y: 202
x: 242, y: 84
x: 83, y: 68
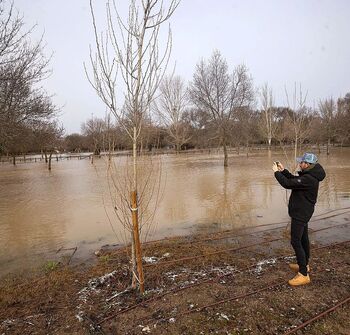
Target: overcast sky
x: 282, y: 42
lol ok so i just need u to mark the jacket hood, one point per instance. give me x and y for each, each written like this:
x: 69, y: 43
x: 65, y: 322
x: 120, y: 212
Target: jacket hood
x: 317, y: 171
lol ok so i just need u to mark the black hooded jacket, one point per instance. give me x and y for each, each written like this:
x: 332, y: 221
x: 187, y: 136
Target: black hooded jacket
x: 304, y: 191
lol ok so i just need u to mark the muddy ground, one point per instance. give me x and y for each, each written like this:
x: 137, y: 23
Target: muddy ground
x: 232, y: 282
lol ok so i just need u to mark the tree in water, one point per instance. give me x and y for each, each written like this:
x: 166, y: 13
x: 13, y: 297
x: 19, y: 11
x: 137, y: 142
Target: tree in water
x: 215, y: 90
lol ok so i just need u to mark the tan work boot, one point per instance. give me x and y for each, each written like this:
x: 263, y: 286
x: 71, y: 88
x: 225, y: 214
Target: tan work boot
x: 299, y: 279
x: 295, y: 267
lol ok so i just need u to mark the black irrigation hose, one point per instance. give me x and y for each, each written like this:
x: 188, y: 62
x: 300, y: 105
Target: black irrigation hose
x: 314, y: 218
x: 318, y: 316
x: 232, y: 249
x: 236, y: 297
x: 200, y: 283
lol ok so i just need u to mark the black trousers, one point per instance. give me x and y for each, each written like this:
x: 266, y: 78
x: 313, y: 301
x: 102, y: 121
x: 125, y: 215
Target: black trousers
x: 300, y: 243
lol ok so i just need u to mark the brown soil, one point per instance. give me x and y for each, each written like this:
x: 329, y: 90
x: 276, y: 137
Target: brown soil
x: 85, y: 299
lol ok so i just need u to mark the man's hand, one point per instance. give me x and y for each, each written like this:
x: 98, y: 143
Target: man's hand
x: 280, y: 166
x: 275, y: 167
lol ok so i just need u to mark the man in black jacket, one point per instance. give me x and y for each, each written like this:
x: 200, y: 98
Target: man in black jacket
x: 300, y: 208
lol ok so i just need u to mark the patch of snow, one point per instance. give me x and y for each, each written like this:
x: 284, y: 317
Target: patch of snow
x: 172, y: 320
x: 224, y: 316
x: 79, y: 316
x: 92, y: 286
x: 99, y: 281
x: 172, y: 276
x: 146, y: 329
x: 115, y: 295
x: 152, y: 259
x: 8, y: 322
x: 155, y: 290
x: 259, y: 265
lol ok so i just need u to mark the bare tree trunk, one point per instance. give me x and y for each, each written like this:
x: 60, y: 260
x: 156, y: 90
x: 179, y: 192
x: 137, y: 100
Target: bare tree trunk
x: 225, y: 154
x: 177, y: 147
x: 45, y: 153
x: 269, y: 143
x: 134, y: 209
x: 328, y: 145
x: 14, y: 159
x: 50, y: 156
x: 133, y: 261
x: 138, y: 250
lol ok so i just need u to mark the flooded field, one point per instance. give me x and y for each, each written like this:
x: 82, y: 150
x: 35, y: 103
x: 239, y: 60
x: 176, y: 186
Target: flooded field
x: 42, y: 212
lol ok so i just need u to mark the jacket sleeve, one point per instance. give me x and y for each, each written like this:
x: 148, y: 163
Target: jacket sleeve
x: 287, y: 174
x: 294, y: 183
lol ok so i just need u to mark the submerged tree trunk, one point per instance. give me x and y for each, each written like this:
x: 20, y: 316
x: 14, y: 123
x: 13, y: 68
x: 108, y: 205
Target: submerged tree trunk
x: 328, y: 145
x: 225, y: 154
x: 50, y: 159
x: 178, y: 147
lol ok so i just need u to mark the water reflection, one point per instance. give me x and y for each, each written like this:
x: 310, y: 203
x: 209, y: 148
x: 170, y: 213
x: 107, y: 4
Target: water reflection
x: 42, y: 211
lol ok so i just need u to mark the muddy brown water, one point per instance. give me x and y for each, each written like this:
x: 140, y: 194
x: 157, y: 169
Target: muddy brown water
x: 42, y: 212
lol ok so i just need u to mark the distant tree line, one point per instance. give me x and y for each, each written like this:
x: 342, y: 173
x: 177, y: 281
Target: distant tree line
x: 221, y: 108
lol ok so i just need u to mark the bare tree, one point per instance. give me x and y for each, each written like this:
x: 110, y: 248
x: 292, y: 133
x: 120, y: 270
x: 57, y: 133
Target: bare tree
x: 12, y: 33
x: 47, y: 135
x: 268, y: 114
x: 246, y: 126
x: 133, y: 47
x: 202, y: 131
x: 94, y: 129
x: 214, y: 90
x: 343, y: 118
x: 171, y: 107
x: 299, y: 118
x: 22, y: 67
x: 75, y: 142
x: 328, y: 110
